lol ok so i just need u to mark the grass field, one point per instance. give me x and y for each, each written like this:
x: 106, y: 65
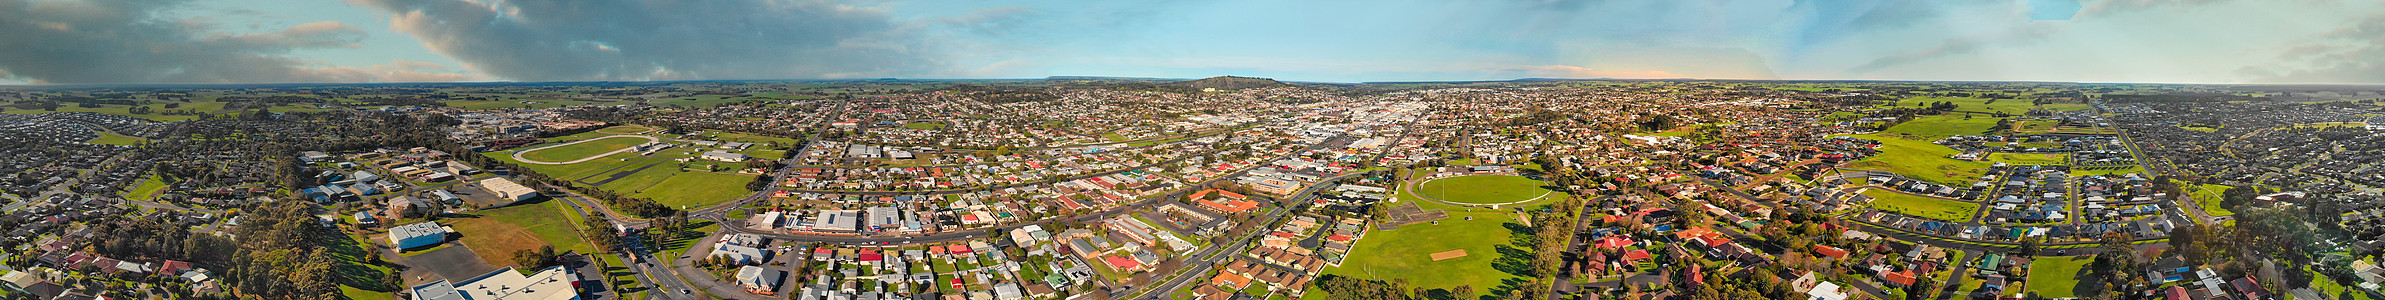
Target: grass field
x: 2057, y: 277
x: 496, y: 233
x: 2108, y: 171
x: 2008, y: 106
x: 2034, y: 125
x: 697, y: 189
x: 924, y: 125
x: 2030, y: 158
x: 1482, y: 189
x: 1403, y: 253
x: 1920, y: 159
x: 583, y: 149
x: 147, y: 189
x: 625, y: 129
x: 111, y: 138
x: 2207, y: 196
x: 1926, y: 207
x: 1936, y: 127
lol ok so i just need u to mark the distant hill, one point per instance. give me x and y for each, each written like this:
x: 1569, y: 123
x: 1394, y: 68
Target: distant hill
x: 1228, y: 83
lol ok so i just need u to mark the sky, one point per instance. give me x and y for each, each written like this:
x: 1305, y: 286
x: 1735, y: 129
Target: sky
x: 283, y: 41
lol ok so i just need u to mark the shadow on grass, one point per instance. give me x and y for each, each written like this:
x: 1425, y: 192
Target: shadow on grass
x: 351, y: 269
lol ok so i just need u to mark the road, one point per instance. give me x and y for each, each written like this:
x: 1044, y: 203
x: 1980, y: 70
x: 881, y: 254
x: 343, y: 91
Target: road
x: 1216, y: 255
x: 649, y: 268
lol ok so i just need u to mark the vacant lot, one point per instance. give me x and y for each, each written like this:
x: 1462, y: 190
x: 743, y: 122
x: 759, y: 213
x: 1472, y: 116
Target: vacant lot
x: 1926, y: 207
x: 2059, y: 277
x: 582, y: 149
x: 496, y: 234
x: 1482, y: 189
x: 1920, y: 159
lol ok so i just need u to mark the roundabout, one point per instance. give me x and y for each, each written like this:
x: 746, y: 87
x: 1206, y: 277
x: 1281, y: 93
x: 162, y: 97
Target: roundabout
x: 1481, y: 190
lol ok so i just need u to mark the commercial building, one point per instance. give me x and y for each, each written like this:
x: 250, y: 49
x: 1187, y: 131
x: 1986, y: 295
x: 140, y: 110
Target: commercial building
x: 506, y: 188
x: 836, y: 221
x: 552, y: 283
x: 417, y: 235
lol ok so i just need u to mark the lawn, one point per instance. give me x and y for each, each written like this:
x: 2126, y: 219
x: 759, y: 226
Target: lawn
x: 111, y: 138
x: 568, y: 171
x: 697, y: 189
x: 1921, y: 160
x: 1934, y: 208
x: 583, y: 149
x: 495, y: 234
x: 1484, y: 238
x: 1114, y: 137
x: 1483, y: 189
x: 2328, y: 286
x: 2058, y: 277
x: 2031, y: 158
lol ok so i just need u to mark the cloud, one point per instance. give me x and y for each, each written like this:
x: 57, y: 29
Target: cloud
x: 2354, y: 53
x: 136, y: 41
x: 2016, y: 36
x: 2113, y: 7
x: 537, y: 40
x: 395, y: 71
x: 1573, y: 72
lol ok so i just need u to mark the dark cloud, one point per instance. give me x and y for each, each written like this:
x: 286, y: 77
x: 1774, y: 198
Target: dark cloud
x: 660, y: 40
x: 132, y: 41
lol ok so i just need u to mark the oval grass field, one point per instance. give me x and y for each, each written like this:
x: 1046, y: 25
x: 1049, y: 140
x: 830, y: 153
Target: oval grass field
x: 1482, y: 189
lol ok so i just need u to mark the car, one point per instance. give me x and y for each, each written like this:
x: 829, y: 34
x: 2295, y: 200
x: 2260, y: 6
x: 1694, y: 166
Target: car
x: 686, y: 292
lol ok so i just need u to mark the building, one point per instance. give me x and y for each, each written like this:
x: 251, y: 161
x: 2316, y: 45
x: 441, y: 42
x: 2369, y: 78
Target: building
x: 512, y: 192
x: 759, y: 280
x: 724, y: 156
x: 884, y: 217
x: 836, y: 221
x: 552, y: 283
x: 417, y: 235
x: 407, y: 206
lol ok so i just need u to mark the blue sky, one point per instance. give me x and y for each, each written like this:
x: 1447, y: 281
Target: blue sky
x: 251, y: 41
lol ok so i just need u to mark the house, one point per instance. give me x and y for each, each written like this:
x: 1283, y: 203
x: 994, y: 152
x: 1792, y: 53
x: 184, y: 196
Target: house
x: 404, y: 207
x: 759, y: 280
x: 1124, y: 264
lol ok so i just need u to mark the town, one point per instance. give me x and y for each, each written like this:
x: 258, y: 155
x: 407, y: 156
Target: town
x: 1217, y: 188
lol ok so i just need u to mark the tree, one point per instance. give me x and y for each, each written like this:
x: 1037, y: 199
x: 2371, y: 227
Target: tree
x: 539, y: 258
